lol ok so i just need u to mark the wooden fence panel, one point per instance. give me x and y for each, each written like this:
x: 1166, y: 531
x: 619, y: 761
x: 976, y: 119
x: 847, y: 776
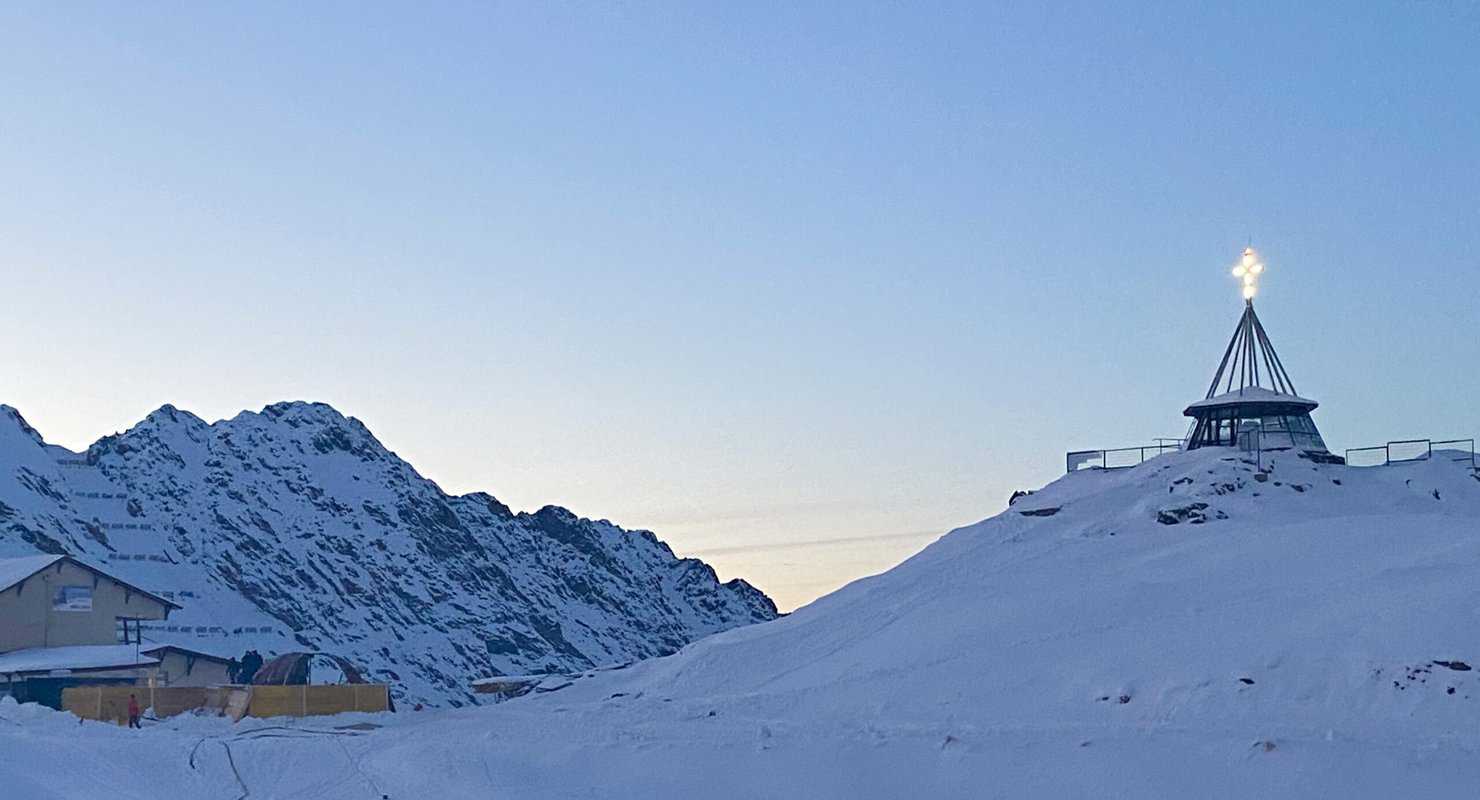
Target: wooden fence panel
x: 178, y: 700
x: 275, y: 701
x: 372, y: 697
x: 327, y: 699
x: 110, y: 703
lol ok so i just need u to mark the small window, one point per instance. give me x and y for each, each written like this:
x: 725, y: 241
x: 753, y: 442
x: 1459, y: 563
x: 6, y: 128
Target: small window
x: 127, y: 630
x: 72, y: 598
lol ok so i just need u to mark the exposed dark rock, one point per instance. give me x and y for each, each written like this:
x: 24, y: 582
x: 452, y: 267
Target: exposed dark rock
x: 1194, y: 513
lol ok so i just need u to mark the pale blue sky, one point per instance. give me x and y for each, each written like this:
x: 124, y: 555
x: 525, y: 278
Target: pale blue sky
x: 755, y: 276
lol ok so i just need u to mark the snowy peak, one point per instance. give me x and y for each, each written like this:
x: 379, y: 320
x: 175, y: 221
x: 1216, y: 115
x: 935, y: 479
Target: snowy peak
x: 167, y: 415
x: 297, y: 412
x: 330, y: 430
x: 12, y: 424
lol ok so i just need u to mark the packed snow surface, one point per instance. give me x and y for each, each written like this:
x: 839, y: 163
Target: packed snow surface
x: 1188, y: 628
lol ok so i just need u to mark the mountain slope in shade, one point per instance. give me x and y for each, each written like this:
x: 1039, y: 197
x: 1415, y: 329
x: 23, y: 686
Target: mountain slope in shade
x: 294, y: 528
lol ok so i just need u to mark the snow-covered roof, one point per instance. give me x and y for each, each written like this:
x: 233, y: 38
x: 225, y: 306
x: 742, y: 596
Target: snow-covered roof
x: 1251, y: 395
x: 497, y: 679
x: 77, y: 657
x: 15, y: 570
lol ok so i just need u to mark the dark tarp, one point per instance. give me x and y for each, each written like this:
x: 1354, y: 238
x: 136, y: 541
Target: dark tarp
x: 291, y: 669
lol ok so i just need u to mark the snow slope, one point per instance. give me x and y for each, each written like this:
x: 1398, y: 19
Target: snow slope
x: 1186, y: 628
x: 295, y: 529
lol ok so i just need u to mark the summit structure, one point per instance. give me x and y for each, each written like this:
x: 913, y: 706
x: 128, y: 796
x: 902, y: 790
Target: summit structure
x: 1252, y: 402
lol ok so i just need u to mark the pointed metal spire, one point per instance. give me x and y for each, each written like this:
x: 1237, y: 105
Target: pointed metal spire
x: 1250, y: 360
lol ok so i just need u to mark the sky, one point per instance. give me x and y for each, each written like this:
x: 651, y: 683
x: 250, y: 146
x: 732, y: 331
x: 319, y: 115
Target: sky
x: 798, y: 286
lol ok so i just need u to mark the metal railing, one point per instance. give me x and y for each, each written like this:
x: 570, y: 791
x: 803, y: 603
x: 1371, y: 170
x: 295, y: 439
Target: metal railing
x: 1407, y: 451
x: 1398, y: 451
x: 1117, y: 457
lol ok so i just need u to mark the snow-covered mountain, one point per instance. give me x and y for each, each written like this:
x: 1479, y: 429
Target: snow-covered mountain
x: 1192, y: 627
x: 294, y: 528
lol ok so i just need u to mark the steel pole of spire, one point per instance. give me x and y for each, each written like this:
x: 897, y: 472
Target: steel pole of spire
x: 1218, y: 376
x: 1253, y: 349
x: 1245, y: 371
x: 1270, y: 347
x: 1238, y: 338
x: 1243, y: 348
x: 1274, y: 375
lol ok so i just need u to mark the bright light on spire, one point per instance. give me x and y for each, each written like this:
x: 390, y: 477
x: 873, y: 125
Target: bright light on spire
x: 1248, y: 269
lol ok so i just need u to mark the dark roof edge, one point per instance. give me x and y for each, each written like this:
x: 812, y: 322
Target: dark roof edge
x: 151, y: 650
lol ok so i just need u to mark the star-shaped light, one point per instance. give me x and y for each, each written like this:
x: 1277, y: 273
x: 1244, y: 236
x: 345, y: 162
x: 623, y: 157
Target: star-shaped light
x: 1249, y: 268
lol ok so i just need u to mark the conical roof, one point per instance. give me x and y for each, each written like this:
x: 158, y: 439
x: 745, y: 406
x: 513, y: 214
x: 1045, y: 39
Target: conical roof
x: 1252, y: 396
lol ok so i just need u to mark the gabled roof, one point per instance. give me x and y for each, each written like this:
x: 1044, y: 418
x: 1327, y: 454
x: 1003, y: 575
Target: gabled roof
x: 15, y: 570
x: 154, y: 649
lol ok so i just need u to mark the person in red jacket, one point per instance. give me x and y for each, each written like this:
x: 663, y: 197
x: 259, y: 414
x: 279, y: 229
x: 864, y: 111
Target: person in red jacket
x: 133, y: 712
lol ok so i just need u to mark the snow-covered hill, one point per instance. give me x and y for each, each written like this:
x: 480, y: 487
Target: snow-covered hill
x: 294, y: 528
x: 1189, y: 628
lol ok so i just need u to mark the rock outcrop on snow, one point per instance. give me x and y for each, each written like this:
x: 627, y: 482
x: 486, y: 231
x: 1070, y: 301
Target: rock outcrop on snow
x: 295, y: 528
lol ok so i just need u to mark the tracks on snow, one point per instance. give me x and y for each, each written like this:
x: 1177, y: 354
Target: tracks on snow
x: 283, y: 732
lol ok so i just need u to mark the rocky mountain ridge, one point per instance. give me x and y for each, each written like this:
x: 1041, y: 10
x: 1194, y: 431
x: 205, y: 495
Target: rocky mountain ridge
x: 294, y: 528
